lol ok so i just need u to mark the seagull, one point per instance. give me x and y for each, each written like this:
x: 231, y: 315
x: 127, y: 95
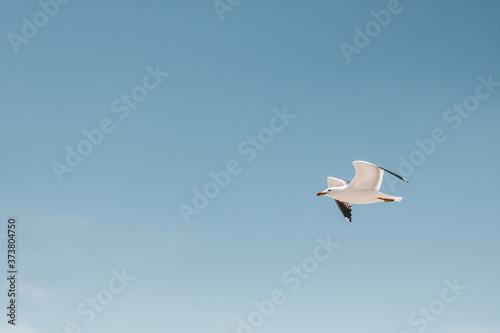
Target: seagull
x: 362, y: 189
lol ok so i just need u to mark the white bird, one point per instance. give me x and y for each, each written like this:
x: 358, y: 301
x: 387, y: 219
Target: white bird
x: 363, y: 189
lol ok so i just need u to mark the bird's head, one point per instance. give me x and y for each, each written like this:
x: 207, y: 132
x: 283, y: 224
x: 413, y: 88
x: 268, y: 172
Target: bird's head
x: 328, y: 192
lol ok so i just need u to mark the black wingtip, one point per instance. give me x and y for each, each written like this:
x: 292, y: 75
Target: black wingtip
x: 345, y: 208
x: 398, y: 176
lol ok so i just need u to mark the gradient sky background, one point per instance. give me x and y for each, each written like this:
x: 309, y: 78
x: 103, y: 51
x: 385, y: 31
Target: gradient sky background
x: 120, y: 207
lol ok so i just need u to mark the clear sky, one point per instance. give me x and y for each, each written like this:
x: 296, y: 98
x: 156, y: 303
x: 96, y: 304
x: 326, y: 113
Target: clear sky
x: 116, y: 115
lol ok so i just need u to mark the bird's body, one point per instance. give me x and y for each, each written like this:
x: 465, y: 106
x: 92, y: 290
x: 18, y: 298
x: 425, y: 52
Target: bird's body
x: 355, y: 196
x: 363, y: 189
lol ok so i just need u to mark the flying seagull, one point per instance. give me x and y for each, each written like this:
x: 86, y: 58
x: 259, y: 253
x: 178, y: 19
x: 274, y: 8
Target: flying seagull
x: 362, y: 189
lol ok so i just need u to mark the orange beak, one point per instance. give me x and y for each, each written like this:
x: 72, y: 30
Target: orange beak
x: 320, y: 193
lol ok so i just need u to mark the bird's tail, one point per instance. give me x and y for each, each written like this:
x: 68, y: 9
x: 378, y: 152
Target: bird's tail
x: 389, y: 198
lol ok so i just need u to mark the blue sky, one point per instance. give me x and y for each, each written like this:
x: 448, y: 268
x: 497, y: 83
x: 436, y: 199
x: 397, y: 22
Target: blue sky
x: 112, y: 231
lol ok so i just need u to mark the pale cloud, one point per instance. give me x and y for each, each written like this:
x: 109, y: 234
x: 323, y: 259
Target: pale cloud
x: 34, y: 292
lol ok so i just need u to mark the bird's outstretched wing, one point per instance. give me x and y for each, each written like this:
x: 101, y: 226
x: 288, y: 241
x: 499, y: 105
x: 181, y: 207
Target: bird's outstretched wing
x: 345, y: 208
x: 335, y: 182
x: 368, y: 176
